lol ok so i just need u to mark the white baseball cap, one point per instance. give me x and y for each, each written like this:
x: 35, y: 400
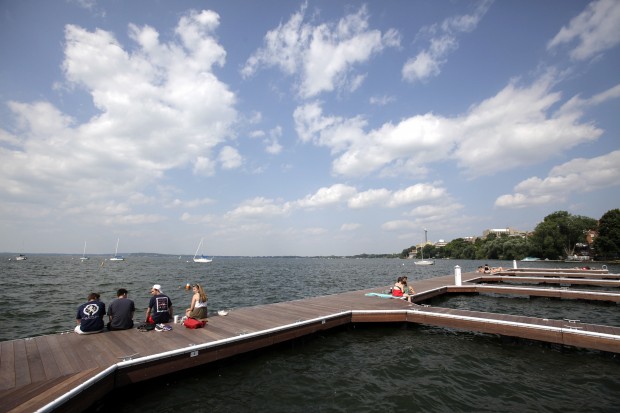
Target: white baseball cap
x: 157, y: 287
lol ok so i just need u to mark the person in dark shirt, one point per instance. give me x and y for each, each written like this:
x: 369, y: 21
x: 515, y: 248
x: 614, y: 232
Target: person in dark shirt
x: 89, y: 316
x: 160, y: 307
x: 120, y: 312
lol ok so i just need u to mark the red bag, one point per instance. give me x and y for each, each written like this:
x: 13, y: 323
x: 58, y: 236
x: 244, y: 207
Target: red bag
x: 193, y: 323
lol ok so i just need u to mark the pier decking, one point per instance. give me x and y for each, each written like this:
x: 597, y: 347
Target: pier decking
x: 51, y: 372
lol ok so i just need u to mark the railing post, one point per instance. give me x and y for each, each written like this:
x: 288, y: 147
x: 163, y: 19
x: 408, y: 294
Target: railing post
x: 514, y: 264
x: 457, y: 275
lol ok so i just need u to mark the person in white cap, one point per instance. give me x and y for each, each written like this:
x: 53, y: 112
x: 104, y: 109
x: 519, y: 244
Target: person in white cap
x: 160, y: 307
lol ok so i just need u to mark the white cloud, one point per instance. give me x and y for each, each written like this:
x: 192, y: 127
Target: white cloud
x: 578, y: 175
x: 322, y: 56
x: 159, y: 107
x: 258, y: 208
x: 443, y: 40
x: 381, y: 100
x: 416, y: 193
x: 514, y: 128
x: 230, y: 158
x: 595, y: 30
x: 399, y: 225
x: 194, y: 203
x: 334, y: 194
x: 436, y: 212
x: 369, y: 198
x: 349, y: 227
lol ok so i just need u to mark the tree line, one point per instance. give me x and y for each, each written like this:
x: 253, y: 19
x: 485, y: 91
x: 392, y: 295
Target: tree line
x: 558, y: 236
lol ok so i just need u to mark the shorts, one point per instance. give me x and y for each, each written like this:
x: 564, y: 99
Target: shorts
x: 200, y: 312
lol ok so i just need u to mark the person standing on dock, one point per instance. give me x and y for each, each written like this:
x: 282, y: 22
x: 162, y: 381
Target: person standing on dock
x: 89, y: 317
x: 160, y: 307
x: 121, y: 312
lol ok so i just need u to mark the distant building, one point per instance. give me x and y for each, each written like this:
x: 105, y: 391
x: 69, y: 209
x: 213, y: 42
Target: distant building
x: 441, y: 243
x: 504, y: 231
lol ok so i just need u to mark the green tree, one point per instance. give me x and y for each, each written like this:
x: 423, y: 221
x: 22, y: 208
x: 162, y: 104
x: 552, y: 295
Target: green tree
x: 556, y: 236
x: 607, y: 242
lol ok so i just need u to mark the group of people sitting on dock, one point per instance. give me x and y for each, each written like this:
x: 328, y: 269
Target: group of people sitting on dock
x: 401, y: 289
x: 489, y: 270
x: 90, y: 315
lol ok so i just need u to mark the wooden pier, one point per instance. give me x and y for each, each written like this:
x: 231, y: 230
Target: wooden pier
x: 51, y: 372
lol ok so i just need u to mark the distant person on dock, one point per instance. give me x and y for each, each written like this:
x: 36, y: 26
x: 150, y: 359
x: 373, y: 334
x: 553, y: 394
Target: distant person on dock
x: 408, y: 288
x: 89, y: 317
x: 398, y: 290
x: 120, y: 312
x: 198, y: 307
x: 487, y: 269
x: 160, y: 307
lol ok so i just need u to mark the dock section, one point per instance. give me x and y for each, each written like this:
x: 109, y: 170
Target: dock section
x: 50, y: 373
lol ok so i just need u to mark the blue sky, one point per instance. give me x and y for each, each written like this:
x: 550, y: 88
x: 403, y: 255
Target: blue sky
x: 301, y: 128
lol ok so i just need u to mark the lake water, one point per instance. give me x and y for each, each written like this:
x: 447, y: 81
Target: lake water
x: 367, y: 369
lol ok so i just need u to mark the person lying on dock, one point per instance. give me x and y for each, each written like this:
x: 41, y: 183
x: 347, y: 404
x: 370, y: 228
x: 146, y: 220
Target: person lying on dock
x: 89, y: 317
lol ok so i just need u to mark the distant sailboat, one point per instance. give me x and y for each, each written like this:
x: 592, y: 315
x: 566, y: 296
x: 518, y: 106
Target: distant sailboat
x: 84, y: 257
x: 202, y: 258
x: 21, y: 257
x: 423, y: 261
x: 117, y: 257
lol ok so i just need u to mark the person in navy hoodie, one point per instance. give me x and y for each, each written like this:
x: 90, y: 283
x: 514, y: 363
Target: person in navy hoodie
x: 89, y: 317
x: 160, y: 307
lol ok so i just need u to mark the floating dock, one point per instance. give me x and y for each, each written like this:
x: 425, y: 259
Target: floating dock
x: 51, y: 372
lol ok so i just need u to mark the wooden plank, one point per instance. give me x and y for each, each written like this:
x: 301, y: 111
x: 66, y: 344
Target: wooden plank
x: 7, y: 364
x: 22, y: 370
x: 67, y: 364
x: 50, y: 366
x: 35, y: 365
x: 36, y: 400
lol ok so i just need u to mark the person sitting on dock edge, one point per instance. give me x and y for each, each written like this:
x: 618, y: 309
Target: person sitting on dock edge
x: 398, y: 290
x: 160, y: 307
x: 89, y: 316
x: 120, y: 312
x: 408, y: 289
x: 198, y: 307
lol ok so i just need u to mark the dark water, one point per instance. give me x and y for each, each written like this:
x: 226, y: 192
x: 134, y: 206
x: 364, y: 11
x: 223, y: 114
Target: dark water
x: 362, y: 369
x: 591, y: 312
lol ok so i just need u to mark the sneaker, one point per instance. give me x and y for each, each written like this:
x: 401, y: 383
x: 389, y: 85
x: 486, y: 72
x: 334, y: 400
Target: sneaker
x: 167, y: 328
x: 159, y: 327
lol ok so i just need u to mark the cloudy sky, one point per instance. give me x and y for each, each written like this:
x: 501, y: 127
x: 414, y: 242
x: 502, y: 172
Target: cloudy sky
x: 301, y: 128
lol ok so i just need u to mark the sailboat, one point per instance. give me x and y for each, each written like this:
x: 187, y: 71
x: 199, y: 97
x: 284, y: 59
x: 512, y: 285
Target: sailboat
x: 84, y: 257
x: 202, y: 258
x: 423, y: 261
x: 117, y: 257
